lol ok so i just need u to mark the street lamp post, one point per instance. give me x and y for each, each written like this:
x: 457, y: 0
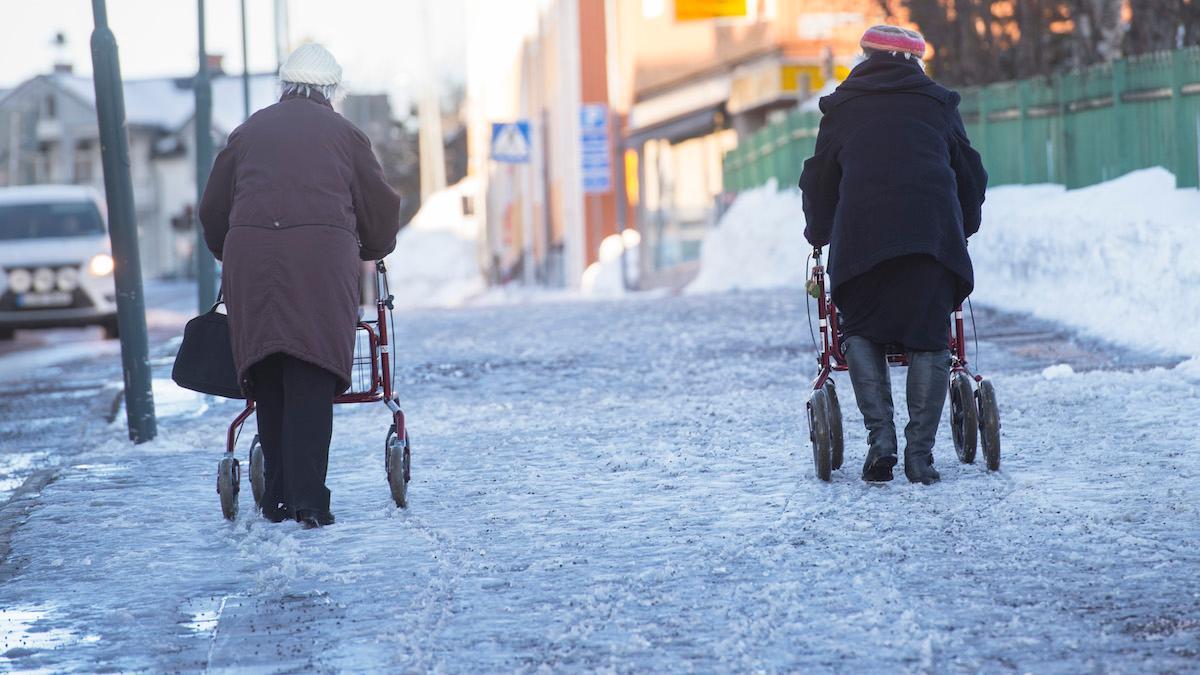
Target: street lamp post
x: 122, y: 229
x: 206, y: 266
x: 245, y: 68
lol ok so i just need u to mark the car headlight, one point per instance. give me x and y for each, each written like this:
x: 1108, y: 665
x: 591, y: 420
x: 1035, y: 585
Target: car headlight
x: 20, y: 280
x: 44, y: 279
x: 68, y: 279
x: 102, y: 265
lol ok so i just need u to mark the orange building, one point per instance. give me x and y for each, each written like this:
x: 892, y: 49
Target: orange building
x: 691, y: 86
x: 681, y: 81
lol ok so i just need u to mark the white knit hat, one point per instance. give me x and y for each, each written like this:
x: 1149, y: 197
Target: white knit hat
x: 311, y: 64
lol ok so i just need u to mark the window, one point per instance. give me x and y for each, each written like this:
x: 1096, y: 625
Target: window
x: 85, y: 157
x: 49, y: 107
x: 43, y: 163
x: 49, y: 220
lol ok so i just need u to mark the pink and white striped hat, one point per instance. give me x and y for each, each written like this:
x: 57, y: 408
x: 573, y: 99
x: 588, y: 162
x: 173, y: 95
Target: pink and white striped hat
x: 894, y: 39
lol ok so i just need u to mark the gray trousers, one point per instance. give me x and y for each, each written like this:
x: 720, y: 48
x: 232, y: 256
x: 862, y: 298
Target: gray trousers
x: 928, y: 378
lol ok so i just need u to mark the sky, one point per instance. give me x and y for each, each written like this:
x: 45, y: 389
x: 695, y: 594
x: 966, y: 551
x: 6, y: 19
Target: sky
x: 379, y: 43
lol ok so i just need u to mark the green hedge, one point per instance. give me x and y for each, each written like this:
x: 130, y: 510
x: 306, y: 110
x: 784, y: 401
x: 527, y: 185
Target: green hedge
x: 1077, y: 129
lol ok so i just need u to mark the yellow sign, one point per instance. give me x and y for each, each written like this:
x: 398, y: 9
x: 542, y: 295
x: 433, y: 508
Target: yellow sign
x: 699, y: 10
x: 774, y: 82
x: 633, y: 191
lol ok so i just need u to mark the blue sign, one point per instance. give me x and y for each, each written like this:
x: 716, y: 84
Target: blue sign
x: 510, y: 142
x: 596, y: 148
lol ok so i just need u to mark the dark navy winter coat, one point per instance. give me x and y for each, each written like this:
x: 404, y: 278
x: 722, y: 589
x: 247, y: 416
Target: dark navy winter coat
x: 893, y: 173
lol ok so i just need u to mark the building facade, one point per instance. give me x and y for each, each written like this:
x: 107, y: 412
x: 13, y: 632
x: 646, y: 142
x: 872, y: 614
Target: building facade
x: 696, y: 81
x: 49, y: 134
x: 681, y: 81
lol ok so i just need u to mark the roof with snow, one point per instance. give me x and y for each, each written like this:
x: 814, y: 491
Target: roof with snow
x: 169, y: 103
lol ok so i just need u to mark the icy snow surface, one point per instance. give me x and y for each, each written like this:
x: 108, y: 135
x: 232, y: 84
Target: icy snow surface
x: 1119, y: 260
x: 628, y: 486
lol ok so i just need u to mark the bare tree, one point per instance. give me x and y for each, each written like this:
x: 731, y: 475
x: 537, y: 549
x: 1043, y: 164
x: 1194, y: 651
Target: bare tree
x: 1155, y: 25
x: 980, y: 41
x: 1099, y: 31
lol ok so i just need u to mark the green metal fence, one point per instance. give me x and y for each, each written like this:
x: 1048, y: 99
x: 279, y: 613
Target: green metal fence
x: 1077, y: 129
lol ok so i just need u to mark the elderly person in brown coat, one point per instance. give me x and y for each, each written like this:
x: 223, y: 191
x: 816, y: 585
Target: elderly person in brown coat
x: 294, y: 201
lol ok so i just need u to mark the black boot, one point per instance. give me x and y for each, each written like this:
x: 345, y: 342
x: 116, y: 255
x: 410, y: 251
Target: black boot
x: 873, y: 391
x: 920, y: 470
x: 928, y: 373
x: 878, y: 467
x: 311, y: 519
x: 276, y: 512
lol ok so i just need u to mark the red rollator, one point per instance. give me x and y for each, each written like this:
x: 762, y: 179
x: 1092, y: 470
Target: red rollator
x: 974, y: 415
x: 373, y: 382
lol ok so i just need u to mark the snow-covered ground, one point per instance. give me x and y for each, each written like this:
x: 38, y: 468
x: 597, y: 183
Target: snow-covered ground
x: 631, y: 489
x: 50, y: 379
x: 1119, y: 260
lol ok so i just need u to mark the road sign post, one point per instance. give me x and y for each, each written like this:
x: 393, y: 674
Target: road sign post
x: 512, y: 144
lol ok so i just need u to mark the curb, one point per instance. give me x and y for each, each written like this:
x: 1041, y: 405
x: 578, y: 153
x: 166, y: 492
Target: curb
x: 14, y: 512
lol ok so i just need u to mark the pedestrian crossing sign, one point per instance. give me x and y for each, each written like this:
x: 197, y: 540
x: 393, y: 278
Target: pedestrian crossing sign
x: 510, y: 142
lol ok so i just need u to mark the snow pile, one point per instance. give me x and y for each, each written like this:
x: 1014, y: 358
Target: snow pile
x: 605, y: 278
x: 435, y: 261
x: 1120, y: 260
x: 1058, y: 371
x: 759, y: 243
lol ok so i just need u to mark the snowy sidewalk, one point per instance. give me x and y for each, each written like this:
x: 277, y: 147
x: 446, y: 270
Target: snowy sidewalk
x: 629, y: 486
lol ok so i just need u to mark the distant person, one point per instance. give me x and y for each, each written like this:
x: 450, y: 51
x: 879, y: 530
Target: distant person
x: 894, y: 188
x: 293, y: 202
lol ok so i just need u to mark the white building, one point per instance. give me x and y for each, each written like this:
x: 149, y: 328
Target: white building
x: 49, y: 134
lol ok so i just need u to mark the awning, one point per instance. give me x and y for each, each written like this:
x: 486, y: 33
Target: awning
x: 696, y: 123
x: 681, y: 112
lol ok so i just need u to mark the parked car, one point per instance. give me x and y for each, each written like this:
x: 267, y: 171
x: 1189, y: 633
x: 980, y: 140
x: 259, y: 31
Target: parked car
x: 55, y: 259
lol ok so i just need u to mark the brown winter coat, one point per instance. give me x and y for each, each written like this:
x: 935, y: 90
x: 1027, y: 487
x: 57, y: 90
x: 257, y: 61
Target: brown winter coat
x: 293, y: 202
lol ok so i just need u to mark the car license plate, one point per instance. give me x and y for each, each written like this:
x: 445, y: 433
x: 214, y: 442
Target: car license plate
x: 38, y: 300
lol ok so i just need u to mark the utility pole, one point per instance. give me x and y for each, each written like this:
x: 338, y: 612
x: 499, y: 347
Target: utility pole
x: 206, y: 266
x: 281, y: 33
x: 118, y: 192
x: 245, y: 68
x: 432, y: 157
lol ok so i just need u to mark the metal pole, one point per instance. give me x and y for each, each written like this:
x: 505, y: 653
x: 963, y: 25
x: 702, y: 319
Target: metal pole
x: 206, y: 265
x: 281, y: 32
x: 245, y: 68
x: 118, y: 192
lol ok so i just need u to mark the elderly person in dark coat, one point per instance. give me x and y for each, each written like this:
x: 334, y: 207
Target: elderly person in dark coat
x: 894, y: 188
x: 294, y: 202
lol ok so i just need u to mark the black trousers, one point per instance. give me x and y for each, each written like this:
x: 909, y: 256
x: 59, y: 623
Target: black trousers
x: 294, y: 401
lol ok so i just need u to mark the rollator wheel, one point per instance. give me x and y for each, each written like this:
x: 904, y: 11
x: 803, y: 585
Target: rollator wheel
x: 989, y: 424
x: 818, y: 431
x: 258, y: 472
x: 398, y: 460
x: 835, y: 425
x: 964, y: 417
x: 229, y: 479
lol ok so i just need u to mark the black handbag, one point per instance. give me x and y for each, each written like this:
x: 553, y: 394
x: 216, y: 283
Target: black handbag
x: 205, y: 359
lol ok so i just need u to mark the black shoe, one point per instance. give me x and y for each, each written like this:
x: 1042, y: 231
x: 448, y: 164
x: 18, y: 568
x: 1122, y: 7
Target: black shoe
x: 878, y: 469
x: 277, y: 513
x: 310, y: 518
x: 920, y: 470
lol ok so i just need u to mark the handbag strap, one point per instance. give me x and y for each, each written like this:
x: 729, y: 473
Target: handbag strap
x: 220, y: 300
